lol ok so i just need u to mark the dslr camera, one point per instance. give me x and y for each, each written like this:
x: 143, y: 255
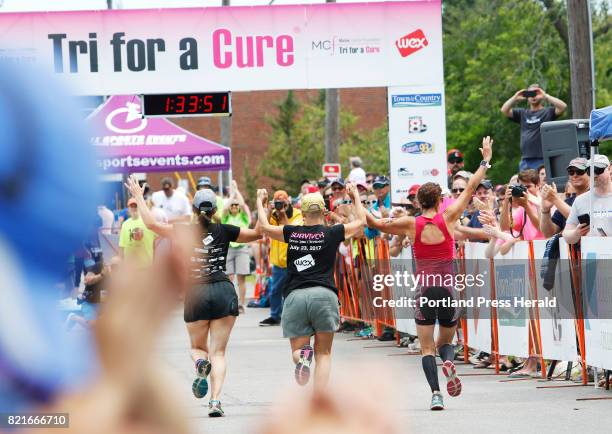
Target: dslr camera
x: 518, y: 190
x: 279, y: 205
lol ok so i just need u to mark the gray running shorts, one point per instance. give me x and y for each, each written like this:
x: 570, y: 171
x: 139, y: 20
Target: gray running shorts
x: 307, y: 311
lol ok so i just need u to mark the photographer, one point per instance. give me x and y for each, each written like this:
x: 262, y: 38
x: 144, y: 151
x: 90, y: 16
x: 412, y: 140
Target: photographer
x: 551, y: 224
x: 578, y: 222
x: 519, y: 211
x: 281, y: 213
x: 530, y: 120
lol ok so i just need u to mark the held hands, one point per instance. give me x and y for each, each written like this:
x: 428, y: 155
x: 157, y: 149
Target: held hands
x: 487, y: 148
x: 134, y: 187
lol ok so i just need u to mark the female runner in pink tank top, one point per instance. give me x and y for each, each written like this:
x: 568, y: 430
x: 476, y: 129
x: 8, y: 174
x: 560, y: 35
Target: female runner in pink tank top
x: 431, y: 235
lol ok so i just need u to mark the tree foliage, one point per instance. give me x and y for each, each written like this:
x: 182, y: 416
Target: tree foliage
x: 492, y: 48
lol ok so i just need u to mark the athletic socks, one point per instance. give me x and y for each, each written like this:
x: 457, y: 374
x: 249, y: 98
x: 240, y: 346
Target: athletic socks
x: 447, y: 352
x: 431, y: 372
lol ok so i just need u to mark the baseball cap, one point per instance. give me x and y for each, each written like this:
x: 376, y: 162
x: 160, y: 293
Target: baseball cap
x: 454, y: 156
x: 600, y: 161
x: 312, y: 202
x: 204, y: 180
x: 463, y: 174
x: 486, y: 184
x: 413, y: 189
x: 339, y: 181
x: 281, y: 195
x: 312, y: 189
x: 131, y: 202
x: 323, y: 182
x: 500, y: 188
x: 381, y: 180
x: 362, y: 185
x: 205, y: 200
x: 579, y: 163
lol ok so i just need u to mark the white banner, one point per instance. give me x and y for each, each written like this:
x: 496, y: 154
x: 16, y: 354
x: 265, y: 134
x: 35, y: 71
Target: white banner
x: 557, y: 326
x: 478, y: 317
x: 597, y: 296
x: 417, y: 137
x: 404, y: 321
x: 125, y: 52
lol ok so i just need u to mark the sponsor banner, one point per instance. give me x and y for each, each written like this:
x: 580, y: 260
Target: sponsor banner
x: 597, y: 299
x: 232, y: 49
x: 417, y: 137
x: 332, y: 170
x: 557, y: 328
x: 478, y: 316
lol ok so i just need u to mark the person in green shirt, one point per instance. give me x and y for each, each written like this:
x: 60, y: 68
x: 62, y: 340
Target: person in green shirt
x: 236, y: 212
x: 136, y: 240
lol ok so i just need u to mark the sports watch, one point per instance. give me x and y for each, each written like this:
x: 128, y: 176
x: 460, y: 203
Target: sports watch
x: 485, y: 163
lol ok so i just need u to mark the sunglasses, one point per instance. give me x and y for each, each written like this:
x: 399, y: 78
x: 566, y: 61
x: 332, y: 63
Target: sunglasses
x: 458, y: 190
x: 576, y: 172
x: 598, y: 170
x: 379, y: 186
x: 412, y: 197
x: 368, y: 202
x: 234, y: 205
x: 456, y: 161
x: 337, y: 188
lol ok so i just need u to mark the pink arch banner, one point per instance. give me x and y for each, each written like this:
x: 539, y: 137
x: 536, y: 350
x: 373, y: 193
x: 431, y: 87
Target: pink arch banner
x: 122, y: 52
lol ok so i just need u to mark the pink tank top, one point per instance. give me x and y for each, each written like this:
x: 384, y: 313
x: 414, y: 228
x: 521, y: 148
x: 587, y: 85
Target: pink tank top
x: 441, y: 251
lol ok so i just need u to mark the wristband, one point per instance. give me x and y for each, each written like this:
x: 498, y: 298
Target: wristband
x: 485, y: 163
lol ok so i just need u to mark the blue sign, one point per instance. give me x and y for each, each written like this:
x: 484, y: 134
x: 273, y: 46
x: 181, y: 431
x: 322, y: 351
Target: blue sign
x: 417, y: 100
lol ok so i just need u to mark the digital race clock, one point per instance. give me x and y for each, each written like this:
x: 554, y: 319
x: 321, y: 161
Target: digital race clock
x: 188, y: 104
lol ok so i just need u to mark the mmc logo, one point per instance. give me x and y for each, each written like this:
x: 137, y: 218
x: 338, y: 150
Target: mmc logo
x: 418, y: 148
x: 304, y: 262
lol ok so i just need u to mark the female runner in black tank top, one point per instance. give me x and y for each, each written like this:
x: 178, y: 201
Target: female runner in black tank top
x: 211, y: 305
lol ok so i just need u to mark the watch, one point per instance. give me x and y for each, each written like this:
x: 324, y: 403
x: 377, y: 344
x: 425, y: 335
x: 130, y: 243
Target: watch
x: 485, y: 163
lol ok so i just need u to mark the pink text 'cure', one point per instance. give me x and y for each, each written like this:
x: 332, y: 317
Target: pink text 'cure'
x: 250, y: 51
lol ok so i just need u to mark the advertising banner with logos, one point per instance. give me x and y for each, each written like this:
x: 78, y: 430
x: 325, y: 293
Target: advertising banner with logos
x: 115, y: 52
x: 417, y: 137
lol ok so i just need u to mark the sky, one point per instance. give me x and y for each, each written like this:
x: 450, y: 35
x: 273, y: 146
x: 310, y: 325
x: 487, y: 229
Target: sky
x: 64, y: 5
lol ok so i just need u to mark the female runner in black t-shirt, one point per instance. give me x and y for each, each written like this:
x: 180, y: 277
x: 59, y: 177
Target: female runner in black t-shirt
x: 311, y: 298
x: 211, y: 305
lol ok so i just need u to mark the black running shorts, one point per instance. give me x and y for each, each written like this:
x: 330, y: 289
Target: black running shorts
x: 427, y: 315
x: 209, y: 301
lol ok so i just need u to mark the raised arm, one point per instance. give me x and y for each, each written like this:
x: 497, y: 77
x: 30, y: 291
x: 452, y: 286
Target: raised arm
x: 352, y: 228
x: 452, y: 213
x: 506, y: 108
x: 558, y: 104
x: 137, y: 192
x: 400, y: 226
x: 274, y: 232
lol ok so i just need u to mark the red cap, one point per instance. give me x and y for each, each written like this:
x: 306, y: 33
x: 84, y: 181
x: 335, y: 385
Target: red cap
x: 312, y: 189
x: 413, y: 189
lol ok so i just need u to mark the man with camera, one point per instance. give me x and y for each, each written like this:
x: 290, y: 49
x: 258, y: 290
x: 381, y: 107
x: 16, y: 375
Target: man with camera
x: 579, y: 220
x: 530, y: 120
x: 578, y: 175
x: 281, y: 214
x: 520, y: 208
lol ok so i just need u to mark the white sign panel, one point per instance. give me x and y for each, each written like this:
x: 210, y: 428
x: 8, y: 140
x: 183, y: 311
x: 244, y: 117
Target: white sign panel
x: 417, y: 137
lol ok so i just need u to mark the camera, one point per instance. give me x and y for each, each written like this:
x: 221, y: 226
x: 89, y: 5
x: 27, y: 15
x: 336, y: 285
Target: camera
x: 518, y: 190
x: 529, y: 93
x: 279, y: 205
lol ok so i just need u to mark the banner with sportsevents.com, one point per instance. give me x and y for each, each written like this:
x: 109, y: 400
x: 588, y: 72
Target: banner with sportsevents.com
x: 417, y: 137
x: 121, y: 52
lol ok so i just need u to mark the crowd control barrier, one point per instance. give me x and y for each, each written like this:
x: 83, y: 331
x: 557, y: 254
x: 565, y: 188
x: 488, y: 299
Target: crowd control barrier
x: 582, y: 329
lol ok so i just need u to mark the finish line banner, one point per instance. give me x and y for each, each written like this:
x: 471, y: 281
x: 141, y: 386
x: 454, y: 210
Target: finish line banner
x: 232, y: 48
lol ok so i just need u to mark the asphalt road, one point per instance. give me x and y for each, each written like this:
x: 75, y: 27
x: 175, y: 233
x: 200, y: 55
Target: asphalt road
x: 260, y: 372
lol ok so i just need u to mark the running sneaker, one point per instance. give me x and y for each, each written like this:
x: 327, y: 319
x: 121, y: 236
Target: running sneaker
x: 302, y: 368
x: 269, y: 322
x: 437, y: 403
x: 453, y: 383
x: 214, y: 408
x: 200, y: 383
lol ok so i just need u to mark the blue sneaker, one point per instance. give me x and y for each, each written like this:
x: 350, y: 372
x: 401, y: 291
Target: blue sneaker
x: 214, y: 408
x: 200, y: 384
x: 437, y: 403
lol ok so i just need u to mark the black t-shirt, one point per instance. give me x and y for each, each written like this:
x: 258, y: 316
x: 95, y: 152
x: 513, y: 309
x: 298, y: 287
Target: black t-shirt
x: 210, y: 254
x: 531, y: 143
x: 311, y: 256
x: 557, y: 218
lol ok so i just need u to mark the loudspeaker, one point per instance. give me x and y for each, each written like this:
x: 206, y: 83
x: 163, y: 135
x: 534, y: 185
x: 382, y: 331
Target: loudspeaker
x: 563, y: 141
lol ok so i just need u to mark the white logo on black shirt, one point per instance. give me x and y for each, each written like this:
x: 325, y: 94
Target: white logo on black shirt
x: 209, y: 239
x: 304, y: 263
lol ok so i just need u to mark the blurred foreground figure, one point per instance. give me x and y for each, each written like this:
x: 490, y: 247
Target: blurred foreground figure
x: 105, y: 383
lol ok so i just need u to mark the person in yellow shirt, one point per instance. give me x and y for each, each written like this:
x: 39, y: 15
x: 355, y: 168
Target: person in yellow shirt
x: 280, y: 213
x: 136, y: 240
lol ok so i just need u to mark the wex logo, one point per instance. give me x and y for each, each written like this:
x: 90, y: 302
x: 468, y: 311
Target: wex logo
x: 416, y: 125
x: 418, y: 148
x: 411, y: 43
x: 304, y: 262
